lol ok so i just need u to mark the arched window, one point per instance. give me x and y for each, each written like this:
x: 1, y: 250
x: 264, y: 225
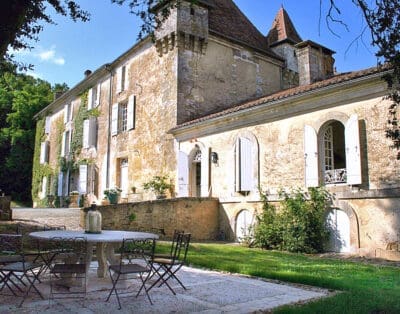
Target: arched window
x: 333, y: 162
x: 333, y: 156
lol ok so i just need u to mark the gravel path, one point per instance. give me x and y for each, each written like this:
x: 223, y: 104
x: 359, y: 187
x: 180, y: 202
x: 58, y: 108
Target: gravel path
x: 68, y: 217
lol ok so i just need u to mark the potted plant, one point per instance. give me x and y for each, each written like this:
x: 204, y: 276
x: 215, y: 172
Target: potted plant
x: 159, y: 185
x: 73, y: 197
x: 113, y: 194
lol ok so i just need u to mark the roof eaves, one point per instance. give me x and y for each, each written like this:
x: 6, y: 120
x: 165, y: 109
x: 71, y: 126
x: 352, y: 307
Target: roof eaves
x: 92, y: 78
x: 286, y: 95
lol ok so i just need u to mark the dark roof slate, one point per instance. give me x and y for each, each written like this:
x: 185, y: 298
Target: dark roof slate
x: 227, y: 20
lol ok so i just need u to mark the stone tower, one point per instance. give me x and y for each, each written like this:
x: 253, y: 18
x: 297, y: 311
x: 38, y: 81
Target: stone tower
x: 186, y: 27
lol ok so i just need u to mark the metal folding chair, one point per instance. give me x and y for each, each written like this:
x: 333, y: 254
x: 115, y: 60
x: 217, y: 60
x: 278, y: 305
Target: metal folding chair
x: 72, y: 273
x: 17, y: 271
x: 167, y: 267
x: 173, y: 244
x: 136, y: 258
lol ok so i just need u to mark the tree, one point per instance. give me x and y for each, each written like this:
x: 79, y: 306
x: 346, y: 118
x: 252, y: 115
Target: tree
x: 22, y: 21
x: 21, y: 97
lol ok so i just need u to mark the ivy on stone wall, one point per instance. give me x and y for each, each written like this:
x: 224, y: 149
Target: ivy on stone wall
x: 82, y: 115
x: 39, y: 171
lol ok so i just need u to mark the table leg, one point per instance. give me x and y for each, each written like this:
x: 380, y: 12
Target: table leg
x: 101, y: 259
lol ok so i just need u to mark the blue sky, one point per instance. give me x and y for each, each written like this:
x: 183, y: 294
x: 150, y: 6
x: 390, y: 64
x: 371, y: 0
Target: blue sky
x: 66, y: 50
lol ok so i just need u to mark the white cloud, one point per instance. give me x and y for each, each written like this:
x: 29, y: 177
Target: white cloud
x: 59, y: 61
x: 47, y: 55
x: 50, y: 55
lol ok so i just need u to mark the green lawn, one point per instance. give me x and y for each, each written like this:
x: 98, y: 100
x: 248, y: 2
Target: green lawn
x: 365, y: 288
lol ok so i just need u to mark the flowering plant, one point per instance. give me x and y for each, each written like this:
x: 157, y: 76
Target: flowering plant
x: 158, y: 184
x: 112, y: 191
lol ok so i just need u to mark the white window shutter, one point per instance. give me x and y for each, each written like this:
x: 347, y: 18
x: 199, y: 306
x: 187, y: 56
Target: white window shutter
x: 98, y: 92
x: 205, y: 165
x: 119, y: 80
x: 90, y: 99
x: 60, y: 184
x: 86, y: 125
x: 64, y: 137
x: 353, y: 157
x: 43, y: 152
x: 126, y: 79
x: 92, y: 131
x: 114, y: 119
x: 311, y: 156
x: 65, y: 114
x: 47, y: 125
x: 44, y: 187
x: 237, y: 166
x: 246, y: 165
x: 83, y: 179
x: 183, y: 174
x: 131, y: 112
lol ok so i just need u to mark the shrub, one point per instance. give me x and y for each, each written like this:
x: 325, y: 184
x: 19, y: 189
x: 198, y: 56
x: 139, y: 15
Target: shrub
x: 298, y: 226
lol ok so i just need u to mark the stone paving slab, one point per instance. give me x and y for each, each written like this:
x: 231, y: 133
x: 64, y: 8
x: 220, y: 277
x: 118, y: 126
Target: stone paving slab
x: 208, y: 292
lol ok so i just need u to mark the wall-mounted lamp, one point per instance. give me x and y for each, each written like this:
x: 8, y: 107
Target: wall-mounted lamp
x: 214, y: 157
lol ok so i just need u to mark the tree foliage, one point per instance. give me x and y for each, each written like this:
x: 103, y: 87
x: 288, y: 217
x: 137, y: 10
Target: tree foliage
x: 22, y: 21
x: 21, y: 97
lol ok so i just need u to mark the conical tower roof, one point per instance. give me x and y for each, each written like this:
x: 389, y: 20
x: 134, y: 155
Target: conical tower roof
x: 282, y: 29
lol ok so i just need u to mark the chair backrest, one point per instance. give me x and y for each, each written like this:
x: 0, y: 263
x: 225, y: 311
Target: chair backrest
x: 175, y: 239
x: 132, y: 249
x: 10, y: 244
x: 181, y: 247
x: 74, y: 248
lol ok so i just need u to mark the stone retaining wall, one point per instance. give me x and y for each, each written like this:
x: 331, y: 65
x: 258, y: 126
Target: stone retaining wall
x: 199, y: 216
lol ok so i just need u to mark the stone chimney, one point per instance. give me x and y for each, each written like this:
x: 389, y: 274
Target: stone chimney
x: 315, y: 62
x: 87, y: 73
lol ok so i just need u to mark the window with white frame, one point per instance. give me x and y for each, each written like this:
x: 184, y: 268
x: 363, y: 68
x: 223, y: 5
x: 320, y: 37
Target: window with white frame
x: 332, y: 156
x: 68, y: 112
x: 44, y: 152
x: 94, y: 97
x: 89, y: 133
x: 123, y: 176
x: 47, y: 125
x: 123, y: 116
x: 65, y: 143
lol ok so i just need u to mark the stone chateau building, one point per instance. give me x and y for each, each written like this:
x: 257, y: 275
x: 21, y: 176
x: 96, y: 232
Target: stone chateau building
x: 224, y: 110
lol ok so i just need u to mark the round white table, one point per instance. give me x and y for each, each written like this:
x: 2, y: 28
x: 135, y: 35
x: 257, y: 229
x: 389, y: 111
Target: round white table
x: 105, y: 243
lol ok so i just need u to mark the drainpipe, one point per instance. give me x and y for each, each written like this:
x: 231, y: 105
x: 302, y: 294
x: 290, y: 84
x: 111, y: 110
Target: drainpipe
x: 108, y: 68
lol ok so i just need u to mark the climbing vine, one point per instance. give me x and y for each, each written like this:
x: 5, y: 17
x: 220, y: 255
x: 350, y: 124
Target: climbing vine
x: 39, y: 171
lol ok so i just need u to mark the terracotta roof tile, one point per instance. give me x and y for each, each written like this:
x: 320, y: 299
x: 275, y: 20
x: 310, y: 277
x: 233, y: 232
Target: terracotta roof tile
x: 282, y: 29
x: 340, y: 78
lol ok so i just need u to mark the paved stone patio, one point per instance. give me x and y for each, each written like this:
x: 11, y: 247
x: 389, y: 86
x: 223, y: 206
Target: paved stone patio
x: 208, y: 292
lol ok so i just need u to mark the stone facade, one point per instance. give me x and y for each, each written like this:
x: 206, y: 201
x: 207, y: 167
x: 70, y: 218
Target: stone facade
x: 220, y: 112
x: 200, y: 216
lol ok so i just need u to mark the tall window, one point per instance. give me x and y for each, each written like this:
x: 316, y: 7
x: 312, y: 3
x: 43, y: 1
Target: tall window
x: 123, y: 117
x: 123, y: 177
x: 334, y: 153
